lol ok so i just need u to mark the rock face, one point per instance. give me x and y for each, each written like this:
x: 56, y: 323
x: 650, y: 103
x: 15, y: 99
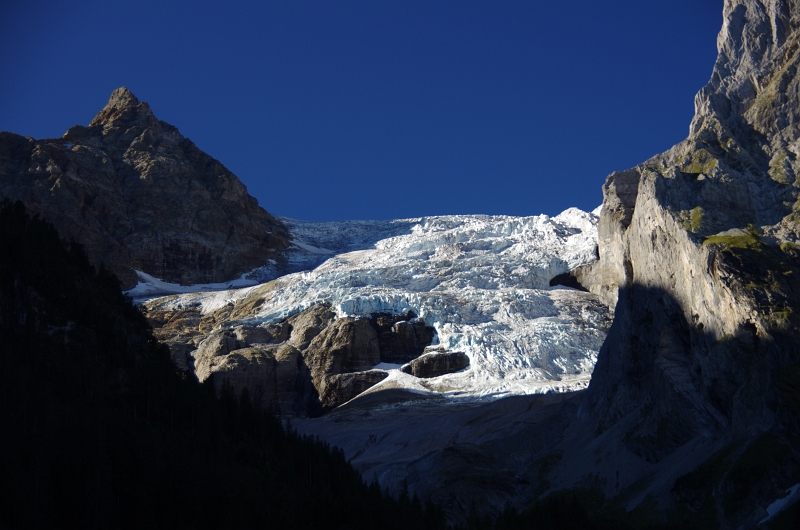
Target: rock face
x: 341, y: 388
x: 401, y: 337
x: 138, y: 195
x: 345, y: 345
x: 435, y: 362
x: 699, y: 256
x: 302, y: 366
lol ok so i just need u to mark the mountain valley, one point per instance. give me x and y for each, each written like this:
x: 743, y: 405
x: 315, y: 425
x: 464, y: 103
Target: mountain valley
x: 641, y: 358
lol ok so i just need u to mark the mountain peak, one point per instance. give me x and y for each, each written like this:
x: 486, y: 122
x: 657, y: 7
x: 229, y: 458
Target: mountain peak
x: 122, y: 97
x: 122, y: 105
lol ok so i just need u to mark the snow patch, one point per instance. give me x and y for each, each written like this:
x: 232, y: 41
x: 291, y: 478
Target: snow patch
x: 792, y: 495
x: 151, y: 287
x: 387, y: 366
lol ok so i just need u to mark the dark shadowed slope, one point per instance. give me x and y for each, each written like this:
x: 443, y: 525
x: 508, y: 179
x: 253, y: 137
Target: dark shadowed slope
x: 99, y: 430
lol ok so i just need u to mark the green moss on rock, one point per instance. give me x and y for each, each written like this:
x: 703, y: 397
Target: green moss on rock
x: 691, y: 220
x: 746, y: 241
x: 779, y: 168
x: 701, y: 162
x: 789, y: 246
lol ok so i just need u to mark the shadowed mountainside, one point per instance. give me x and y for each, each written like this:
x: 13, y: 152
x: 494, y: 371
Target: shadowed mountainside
x: 100, y: 430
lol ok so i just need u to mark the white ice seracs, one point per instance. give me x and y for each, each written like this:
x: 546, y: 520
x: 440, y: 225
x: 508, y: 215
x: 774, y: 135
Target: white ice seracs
x: 481, y: 281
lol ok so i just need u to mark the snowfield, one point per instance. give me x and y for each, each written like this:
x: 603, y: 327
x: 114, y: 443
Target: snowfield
x: 481, y: 281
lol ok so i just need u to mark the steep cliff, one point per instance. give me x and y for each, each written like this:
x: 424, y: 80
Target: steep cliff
x: 699, y: 255
x: 138, y: 195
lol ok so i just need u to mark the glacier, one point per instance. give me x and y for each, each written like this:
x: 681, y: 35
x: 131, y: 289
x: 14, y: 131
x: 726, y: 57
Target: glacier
x: 481, y: 281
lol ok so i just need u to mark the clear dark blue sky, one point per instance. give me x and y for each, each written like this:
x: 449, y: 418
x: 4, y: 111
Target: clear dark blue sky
x: 338, y: 109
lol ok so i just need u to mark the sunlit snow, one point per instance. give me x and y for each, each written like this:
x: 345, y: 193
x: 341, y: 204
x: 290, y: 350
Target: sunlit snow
x: 150, y: 286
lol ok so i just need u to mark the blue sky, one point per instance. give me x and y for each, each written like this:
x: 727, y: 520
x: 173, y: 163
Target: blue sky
x: 332, y: 110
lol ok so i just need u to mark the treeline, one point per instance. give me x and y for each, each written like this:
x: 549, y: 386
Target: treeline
x: 100, y: 431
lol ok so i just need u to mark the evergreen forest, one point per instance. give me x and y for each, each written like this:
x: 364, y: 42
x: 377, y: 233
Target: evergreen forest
x: 99, y: 430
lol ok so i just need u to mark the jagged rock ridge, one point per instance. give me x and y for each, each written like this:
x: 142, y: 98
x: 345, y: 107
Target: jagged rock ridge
x: 140, y: 196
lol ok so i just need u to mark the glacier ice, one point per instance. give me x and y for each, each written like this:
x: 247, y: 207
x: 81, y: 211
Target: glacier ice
x: 481, y: 281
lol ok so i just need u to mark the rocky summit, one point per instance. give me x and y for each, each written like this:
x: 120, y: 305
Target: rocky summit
x: 140, y: 196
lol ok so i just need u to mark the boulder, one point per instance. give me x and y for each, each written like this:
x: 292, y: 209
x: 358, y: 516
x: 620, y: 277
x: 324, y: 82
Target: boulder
x: 345, y: 345
x: 250, y: 368
x: 217, y: 345
x: 306, y: 325
x: 264, y: 334
x: 437, y: 362
x: 341, y: 388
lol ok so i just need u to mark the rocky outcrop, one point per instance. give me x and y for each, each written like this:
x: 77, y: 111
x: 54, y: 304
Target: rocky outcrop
x: 138, y: 195
x: 436, y: 361
x: 275, y: 363
x: 341, y: 388
x: 250, y: 368
x: 401, y: 337
x: 302, y: 366
x: 699, y: 257
x: 345, y: 345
